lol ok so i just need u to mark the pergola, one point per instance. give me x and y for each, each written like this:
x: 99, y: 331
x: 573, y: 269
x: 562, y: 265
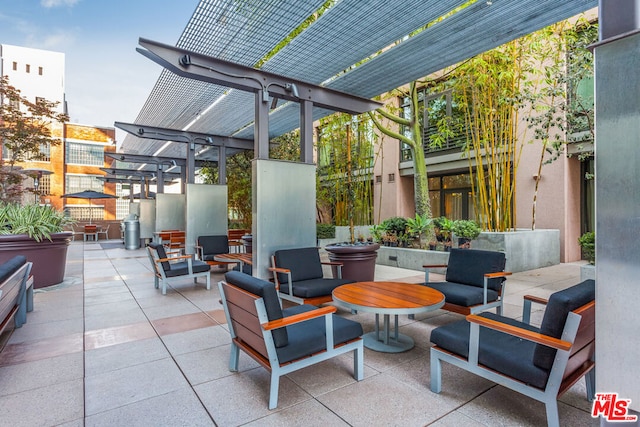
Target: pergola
x: 363, y: 49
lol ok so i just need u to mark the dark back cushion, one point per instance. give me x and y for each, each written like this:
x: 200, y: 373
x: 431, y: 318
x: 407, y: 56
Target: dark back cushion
x: 214, y: 245
x: 161, y: 254
x: 555, y: 315
x: 468, y: 267
x: 11, y: 266
x: 265, y: 290
x: 304, y: 264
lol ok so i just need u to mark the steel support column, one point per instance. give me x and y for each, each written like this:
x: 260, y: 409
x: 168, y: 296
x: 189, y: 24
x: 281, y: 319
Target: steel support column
x: 222, y: 165
x: 306, y: 131
x: 261, y: 128
x: 160, y: 178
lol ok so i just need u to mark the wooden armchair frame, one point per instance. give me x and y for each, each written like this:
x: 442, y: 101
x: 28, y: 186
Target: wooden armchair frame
x: 160, y: 275
x: 252, y: 332
x: 574, y: 356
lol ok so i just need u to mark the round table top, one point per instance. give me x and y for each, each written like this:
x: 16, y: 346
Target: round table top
x: 388, y: 297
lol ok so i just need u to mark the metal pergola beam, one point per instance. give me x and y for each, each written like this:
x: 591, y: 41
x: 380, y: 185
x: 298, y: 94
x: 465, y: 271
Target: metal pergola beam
x: 209, y: 69
x: 136, y: 172
x: 176, y: 135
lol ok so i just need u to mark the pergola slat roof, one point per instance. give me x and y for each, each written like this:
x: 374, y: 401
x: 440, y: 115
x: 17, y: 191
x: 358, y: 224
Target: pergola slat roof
x: 346, y: 34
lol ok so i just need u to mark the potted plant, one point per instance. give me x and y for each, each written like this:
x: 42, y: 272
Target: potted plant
x: 465, y: 230
x: 443, y: 227
x: 36, y: 232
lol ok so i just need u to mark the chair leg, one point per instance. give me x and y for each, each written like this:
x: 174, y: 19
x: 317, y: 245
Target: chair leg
x: 164, y: 287
x: 358, y: 363
x: 436, y: 373
x: 553, y: 419
x: 273, y: 391
x: 155, y: 282
x: 208, y: 281
x: 590, y: 379
x: 234, y: 357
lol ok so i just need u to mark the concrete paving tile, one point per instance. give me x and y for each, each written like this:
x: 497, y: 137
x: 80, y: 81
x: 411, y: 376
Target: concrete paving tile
x: 177, y: 408
x: 115, y: 357
x: 211, y: 364
x: 41, y: 373
x: 384, y: 401
x: 196, y: 340
x: 309, y: 413
x: 501, y: 406
x: 244, y: 396
x: 56, y: 404
x: 114, y: 318
x: 122, y: 387
x: 40, y: 331
x: 456, y: 419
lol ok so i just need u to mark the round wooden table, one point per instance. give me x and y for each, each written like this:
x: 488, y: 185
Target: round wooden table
x: 388, y: 298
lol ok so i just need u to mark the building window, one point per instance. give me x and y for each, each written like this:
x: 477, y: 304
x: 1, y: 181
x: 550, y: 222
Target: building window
x: 85, y: 212
x: 77, y: 183
x: 435, y: 110
x: 15, y: 66
x: 452, y: 196
x: 392, y: 177
x: 40, y: 71
x: 378, y: 179
x: 44, y: 185
x: 27, y: 68
x: 122, y: 203
x: 84, y: 154
x: 45, y: 153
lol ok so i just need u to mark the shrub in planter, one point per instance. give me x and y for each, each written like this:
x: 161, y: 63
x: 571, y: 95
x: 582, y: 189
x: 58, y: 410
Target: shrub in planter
x: 325, y: 231
x: 466, y: 230
x: 37, y: 233
x: 588, y: 244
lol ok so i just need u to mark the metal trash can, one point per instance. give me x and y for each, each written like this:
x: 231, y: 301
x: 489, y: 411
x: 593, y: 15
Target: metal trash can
x: 131, y: 234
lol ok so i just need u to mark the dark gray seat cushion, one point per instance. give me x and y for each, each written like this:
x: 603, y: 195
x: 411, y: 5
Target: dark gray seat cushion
x: 309, y: 337
x: 11, y: 266
x: 501, y: 352
x: 267, y: 291
x: 213, y: 245
x: 555, y: 315
x: 313, y: 287
x: 181, y: 268
x: 464, y: 295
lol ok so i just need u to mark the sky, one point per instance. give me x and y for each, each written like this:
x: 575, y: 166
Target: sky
x: 106, y: 79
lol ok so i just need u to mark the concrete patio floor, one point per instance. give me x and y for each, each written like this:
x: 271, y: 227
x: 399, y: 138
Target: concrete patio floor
x: 105, y: 348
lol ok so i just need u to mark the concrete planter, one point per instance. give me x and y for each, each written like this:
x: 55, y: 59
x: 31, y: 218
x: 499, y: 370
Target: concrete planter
x: 525, y: 249
x: 49, y: 257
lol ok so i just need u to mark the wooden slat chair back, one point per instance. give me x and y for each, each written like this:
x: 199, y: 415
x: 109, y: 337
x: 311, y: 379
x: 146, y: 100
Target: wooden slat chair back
x: 284, y: 341
x: 177, y: 240
x: 541, y: 363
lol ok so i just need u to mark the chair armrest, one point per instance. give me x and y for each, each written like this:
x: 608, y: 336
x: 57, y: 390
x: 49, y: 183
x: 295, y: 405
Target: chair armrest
x: 428, y: 266
x: 516, y: 331
x: 526, y: 307
x: 336, y: 264
x: 279, y: 270
x: 297, y: 318
x: 498, y: 274
x: 172, y: 259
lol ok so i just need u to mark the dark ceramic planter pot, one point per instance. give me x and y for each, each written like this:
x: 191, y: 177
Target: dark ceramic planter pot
x: 49, y: 257
x: 358, y: 260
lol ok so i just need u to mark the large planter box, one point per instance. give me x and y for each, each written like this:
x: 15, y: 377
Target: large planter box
x: 412, y: 259
x: 525, y: 249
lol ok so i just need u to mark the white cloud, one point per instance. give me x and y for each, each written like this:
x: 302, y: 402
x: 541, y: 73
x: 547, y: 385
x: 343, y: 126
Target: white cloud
x: 58, y: 3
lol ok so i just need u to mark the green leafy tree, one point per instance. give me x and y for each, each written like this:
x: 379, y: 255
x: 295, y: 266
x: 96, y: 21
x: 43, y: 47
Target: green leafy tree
x: 25, y: 127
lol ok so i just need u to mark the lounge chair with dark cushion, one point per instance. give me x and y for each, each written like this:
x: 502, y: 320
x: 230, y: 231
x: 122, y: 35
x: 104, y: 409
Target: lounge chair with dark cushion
x: 299, y: 277
x: 16, y: 292
x: 541, y: 363
x: 283, y: 341
x: 178, y: 267
x: 474, y: 281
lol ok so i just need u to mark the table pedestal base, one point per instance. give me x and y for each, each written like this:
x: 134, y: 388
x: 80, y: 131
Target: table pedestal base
x: 373, y: 342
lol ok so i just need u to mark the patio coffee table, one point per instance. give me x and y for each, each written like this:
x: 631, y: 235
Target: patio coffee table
x: 388, y: 298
